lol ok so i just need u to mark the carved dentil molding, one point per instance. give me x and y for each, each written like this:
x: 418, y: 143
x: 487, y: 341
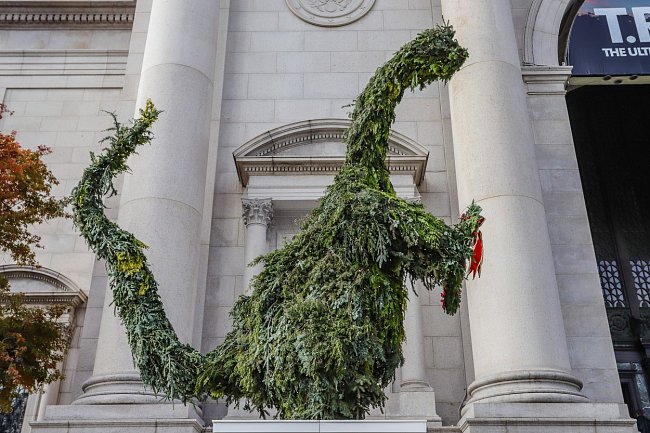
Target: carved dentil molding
x: 330, y: 13
x: 257, y: 211
x: 67, y: 14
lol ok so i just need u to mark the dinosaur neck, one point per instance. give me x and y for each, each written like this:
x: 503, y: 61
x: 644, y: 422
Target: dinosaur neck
x: 433, y: 55
x: 374, y: 113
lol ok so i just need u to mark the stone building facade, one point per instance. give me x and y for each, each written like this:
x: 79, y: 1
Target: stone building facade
x: 256, y: 95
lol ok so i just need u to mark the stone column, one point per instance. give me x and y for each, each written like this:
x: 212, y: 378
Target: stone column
x: 518, y: 337
x: 417, y: 399
x: 414, y: 372
x: 257, y: 214
x: 49, y: 395
x: 162, y: 201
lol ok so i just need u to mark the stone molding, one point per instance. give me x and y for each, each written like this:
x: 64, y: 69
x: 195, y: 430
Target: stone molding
x: 67, y: 14
x: 257, y: 211
x: 67, y: 294
x: 117, y: 387
x: 330, y: 13
x: 63, y: 62
x: 259, y: 156
x: 546, y: 80
x: 526, y: 386
x: 541, y: 35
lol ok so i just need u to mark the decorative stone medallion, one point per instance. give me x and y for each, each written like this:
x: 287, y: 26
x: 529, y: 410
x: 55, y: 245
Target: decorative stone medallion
x: 330, y: 13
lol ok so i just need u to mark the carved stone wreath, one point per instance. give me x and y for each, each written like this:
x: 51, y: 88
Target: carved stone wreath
x: 330, y: 13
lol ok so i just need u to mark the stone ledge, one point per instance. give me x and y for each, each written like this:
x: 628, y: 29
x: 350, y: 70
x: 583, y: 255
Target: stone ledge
x: 101, y: 426
x: 122, y: 412
x: 430, y: 429
x: 298, y: 426
x: 547, y: 418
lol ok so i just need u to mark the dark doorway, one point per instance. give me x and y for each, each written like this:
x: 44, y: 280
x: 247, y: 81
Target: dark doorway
x: 611, y: 132
x: 13, y: 422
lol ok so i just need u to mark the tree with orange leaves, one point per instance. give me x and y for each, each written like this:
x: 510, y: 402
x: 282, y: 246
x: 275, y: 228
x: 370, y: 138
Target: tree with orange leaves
x: 32, y: 340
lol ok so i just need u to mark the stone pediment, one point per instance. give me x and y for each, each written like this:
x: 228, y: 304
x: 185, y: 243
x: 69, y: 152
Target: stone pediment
x: 43, y: 286
x: 317, y: 147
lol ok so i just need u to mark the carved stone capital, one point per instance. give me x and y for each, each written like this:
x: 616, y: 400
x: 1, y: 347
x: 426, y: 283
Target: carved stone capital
x: 257, y: 211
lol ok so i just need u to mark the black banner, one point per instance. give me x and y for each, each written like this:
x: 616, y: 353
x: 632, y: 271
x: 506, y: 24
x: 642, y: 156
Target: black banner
x: 611, y: 37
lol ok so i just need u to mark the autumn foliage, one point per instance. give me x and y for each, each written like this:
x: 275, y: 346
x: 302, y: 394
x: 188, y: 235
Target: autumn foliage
x: 32, y: 340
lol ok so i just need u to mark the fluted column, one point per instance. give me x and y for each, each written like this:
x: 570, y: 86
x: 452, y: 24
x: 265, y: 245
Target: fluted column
x: 518, y: 338
x: 162, y: 201
x: 257, y: 214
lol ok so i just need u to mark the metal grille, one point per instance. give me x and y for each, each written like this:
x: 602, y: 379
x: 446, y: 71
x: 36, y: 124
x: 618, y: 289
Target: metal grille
x: 13, y: 422
x: 641, y: 275
x: 610, y: 281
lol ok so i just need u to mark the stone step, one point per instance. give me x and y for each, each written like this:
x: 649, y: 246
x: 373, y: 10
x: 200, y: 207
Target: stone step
x: 430, y: 429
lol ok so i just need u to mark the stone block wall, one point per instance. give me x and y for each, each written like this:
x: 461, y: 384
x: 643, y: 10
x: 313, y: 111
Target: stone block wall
x: 59, y: 81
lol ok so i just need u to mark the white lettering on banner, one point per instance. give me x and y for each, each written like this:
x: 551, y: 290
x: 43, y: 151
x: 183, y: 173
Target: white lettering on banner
x: 640, y: 20
x: 612, y: 15
x: 624, y: 52
x: 642, y: 25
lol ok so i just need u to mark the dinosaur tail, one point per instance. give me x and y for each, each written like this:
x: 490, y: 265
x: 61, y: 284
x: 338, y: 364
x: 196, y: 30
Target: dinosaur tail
x: 165, y: 364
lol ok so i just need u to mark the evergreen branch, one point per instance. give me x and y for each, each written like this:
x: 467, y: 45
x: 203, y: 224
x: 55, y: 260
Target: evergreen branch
x: 165, y: 364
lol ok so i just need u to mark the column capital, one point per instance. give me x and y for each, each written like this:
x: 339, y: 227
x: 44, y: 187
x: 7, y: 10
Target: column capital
x: 546, y: 80
x: 257, y: 211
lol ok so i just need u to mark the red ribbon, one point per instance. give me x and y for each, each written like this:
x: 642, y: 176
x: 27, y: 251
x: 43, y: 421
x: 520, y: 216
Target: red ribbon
x: 477, y: 256
x: 476, y: 261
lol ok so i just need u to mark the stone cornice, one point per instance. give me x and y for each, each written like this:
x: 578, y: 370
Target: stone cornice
x: 262, y: 155
x: 67, y: 14
x: 55, y: 298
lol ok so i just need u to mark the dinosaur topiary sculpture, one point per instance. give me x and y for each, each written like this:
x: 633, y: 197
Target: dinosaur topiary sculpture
x: 321, y: 334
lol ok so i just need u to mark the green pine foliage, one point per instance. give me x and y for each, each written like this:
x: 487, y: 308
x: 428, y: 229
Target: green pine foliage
x: 321, y: 334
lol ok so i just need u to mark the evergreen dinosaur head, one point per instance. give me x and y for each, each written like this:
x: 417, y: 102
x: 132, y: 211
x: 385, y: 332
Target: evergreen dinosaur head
x: 437, y: 55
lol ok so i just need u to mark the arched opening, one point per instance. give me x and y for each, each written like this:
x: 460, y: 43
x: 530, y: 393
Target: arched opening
x: 608, y: 46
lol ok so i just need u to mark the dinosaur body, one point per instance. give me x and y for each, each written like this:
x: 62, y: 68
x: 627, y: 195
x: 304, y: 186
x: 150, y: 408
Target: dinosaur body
x: 320, y: 336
